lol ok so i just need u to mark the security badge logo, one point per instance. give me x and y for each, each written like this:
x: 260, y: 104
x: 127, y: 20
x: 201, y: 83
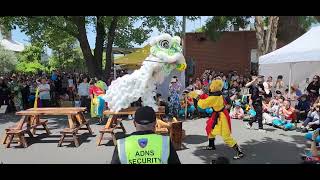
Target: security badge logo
x: 143, y: 142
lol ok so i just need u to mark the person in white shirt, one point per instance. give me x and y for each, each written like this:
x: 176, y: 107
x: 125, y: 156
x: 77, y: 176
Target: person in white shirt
x: 44, y: 93
x: 279, y: 85
x: 83, y: 92
x: 268, y: 86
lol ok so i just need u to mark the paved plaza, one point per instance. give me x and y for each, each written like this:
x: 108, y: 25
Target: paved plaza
x: 275, y: 146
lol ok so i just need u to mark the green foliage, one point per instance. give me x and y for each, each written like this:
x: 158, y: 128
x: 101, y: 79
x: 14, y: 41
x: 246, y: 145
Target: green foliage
x: 61, y: 32
x: 217, y: 24
x: 8, y: 60
x: 306, y: 21
x: 29, y: 60
x: 73, y: 59
x: 201, y: 29
x: 29, y: 67
x: 54, y: 30
x: 30, y: 54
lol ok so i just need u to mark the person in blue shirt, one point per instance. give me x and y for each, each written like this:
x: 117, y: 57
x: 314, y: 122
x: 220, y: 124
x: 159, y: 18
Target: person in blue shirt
x: 54, y: 76
x: 303, y: 107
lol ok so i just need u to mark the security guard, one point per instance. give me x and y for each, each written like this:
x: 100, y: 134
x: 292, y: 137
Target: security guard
x: 144, y: 146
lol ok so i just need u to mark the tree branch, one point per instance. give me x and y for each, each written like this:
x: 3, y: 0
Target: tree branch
x: 111, y: 37
x: 59, y: 28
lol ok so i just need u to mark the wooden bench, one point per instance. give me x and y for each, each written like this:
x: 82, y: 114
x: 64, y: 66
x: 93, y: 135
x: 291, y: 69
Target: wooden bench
x: 26, y: 129
x: 69, y: 131
x: 106, y: 130
x: 114, y: 122
x: 73, y: 131
x: 19, y: 133
x: 176, y: 134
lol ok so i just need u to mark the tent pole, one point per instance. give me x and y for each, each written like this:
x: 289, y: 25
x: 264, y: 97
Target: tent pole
x: 114, y: 72
x: 290, y: 77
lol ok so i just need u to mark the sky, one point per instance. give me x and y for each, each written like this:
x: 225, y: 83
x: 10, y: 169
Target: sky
x: 21, y: 37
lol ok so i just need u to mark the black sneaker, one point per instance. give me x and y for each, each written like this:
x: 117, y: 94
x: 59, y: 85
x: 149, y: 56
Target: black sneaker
x: 238, y: 156
x: 304, y: 130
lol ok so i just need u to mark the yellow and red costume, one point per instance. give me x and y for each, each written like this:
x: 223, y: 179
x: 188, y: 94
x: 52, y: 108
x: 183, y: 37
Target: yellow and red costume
x: 219, y: 123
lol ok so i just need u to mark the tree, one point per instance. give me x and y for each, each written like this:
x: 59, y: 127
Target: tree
x: 70, y: 59
x: 29, y: 60
x: 217, y: 24
x: 8, y: 60
x: 29, y: 67
x: 110, y: 30
x: 31, y: 53
x: 266, y: 41
x: 292, y: 27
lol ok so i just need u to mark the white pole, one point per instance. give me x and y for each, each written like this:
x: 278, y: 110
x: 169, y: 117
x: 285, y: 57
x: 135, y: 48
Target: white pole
x: 290, y: 78
x: 114, y: 72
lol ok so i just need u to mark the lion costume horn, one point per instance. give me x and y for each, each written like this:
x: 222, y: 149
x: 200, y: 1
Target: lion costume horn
x: 216, y: 85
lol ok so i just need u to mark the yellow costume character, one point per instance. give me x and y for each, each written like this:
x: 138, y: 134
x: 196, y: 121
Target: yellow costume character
x: 219, y: 123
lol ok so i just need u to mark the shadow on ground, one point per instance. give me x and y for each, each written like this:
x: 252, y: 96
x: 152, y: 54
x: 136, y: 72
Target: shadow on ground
x: 54, y: 138
x: 7, y: 118
x: 280, y: 152
x: 195, y: 139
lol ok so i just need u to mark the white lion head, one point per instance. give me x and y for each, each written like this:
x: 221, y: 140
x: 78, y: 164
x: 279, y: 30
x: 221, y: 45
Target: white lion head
x: 168, y: 50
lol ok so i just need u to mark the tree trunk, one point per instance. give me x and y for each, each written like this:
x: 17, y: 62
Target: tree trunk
x: 318, y: 18
x: 110, y: 37
x: 259, y: 26
x: 289, y: 29
x: 266, y: 42
x: 268, y: 34
x: 274, y: 30
x: 98, y: 51
x: 79, y: 21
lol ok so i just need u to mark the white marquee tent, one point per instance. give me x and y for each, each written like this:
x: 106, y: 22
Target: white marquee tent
x: 12, y: 45
x: 296, y: 61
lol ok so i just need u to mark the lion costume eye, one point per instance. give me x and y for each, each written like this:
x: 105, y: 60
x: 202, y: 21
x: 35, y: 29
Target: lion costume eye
x: 164, y: 44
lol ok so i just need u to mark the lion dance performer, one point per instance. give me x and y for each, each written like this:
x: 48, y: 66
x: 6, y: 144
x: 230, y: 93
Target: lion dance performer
x: 219, y: 123
x: 97, y: 102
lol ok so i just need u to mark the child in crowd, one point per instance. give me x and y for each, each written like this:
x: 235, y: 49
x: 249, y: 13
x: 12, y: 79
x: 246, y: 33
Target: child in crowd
x: 313, y: 154
x: 286, y: 120
x: 186, y: 102
x: 272, y: 110
x: 237, y: 112
x: 312, y: 120
x: 302, y: 108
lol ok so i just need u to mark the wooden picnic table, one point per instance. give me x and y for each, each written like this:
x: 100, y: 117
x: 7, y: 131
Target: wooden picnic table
x: 31, y: 118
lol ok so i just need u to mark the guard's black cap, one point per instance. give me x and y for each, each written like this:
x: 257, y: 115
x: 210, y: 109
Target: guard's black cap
x: 145, y: 115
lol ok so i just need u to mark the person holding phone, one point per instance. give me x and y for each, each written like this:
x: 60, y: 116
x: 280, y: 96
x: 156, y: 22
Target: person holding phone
x: 256, y: 93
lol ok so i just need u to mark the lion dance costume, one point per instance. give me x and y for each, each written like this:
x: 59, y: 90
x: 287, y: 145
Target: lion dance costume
x: 98, y: 103
x: 219, y: 123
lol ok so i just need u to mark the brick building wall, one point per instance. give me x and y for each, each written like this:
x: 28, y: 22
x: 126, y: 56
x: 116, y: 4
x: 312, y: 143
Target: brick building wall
x: 231, y: 52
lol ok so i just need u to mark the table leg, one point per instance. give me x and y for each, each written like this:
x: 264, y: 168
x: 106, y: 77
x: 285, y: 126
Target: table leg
x: 29, y: 133
x: 122, y: 127
x: 75, y: 121
x: 22, y: 121
x: 10, y: 141
x: 34, y: 122
x: 81, y: 119
x: 70, y: 120
x: 5, y: 139
x: 112, y: 119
